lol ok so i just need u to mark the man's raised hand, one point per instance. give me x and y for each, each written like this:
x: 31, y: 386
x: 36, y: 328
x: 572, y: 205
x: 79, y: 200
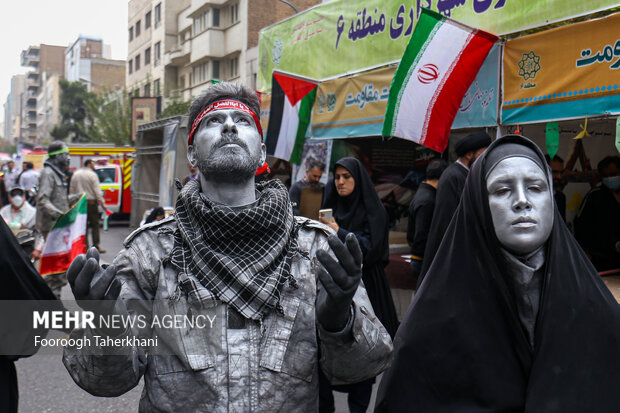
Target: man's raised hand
x: 340, y: 280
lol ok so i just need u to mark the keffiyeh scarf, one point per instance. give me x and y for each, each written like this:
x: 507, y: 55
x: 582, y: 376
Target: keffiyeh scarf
x: 241, y: 256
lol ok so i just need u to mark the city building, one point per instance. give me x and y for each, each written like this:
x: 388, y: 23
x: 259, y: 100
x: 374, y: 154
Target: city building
x: 45, y: 60
x: 176, y: 48
x: 48, y: 106
x: 152, y: 29
x: 88, y: 60
x: 13, y: 107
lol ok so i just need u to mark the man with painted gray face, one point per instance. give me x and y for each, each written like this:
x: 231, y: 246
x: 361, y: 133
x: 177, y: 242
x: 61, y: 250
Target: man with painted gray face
x: 52, y: 201
x: 234, y: 248
x: 515, y: 318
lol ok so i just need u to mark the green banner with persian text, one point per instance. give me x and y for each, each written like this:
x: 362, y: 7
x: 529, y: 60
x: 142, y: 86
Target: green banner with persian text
x: 344, y: 36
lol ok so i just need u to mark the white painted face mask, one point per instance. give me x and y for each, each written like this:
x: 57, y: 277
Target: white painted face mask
x: 17, y: 201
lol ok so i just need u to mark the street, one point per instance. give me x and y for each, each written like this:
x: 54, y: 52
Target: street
x: 45, y: 385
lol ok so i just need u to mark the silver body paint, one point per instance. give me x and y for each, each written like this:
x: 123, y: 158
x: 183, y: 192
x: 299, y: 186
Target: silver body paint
x: 248, y: 370
x: 521, y: 204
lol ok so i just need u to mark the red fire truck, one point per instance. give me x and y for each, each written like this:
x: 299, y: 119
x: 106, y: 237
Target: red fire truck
x: 113, y: 166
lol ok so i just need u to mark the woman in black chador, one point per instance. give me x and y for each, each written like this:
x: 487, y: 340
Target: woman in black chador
x: 358, y: 209
x: 511, y: 316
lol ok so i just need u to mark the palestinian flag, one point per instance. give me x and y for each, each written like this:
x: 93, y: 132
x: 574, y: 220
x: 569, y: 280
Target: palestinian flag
x: 440, y: 63
x: 66, y: 240
x: 291, y: 106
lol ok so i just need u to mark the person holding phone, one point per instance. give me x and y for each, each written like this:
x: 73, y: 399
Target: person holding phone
x: 357, y: 209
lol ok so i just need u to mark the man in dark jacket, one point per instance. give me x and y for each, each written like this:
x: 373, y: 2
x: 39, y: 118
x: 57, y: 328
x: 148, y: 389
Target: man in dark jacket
x: 421, y: 214
x: 597, y: 225
x: 449, y: 191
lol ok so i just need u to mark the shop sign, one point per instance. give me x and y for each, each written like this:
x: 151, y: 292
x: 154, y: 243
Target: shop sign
x: 345, y: 36
x: 355, y: 106
x: 564, y: 73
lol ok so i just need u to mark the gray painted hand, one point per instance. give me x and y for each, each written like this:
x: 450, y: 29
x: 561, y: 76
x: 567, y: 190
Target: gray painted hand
x: 89, y: 281
x: 340, y: 280
x: 95, y: 288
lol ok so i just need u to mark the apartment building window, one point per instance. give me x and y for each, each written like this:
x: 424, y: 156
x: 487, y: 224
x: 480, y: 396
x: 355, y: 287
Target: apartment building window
x: 216, y: 17
x: 157, y: 17
x: 137, y: 62
x: 147, y: 89
x: 200, y: 73
x: 156, y: 87
x: 138, y: 28
x: 157, y: 52
x: 147, y: 20
x: 130, y: 37
x: 147, y: 56
x: 234, y: 67
x: 201, y: 23
x: 130, y: 66
x: 182, y: 82
x: 215, y: 73
x: 234, y: 13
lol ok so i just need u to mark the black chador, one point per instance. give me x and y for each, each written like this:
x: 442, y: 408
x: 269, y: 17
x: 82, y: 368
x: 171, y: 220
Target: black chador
x: 20, y: 281
x: 464, y: 345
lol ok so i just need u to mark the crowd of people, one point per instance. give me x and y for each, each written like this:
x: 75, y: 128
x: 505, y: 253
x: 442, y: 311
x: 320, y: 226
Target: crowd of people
x: 36, y: 198
x: 510, y: 314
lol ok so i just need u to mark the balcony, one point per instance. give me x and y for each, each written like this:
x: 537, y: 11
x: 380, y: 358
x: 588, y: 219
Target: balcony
x: 180, y: 55
x: 210, y: 43
x: 33, y: 85
x: 201, y: 6
x: 31, y: 56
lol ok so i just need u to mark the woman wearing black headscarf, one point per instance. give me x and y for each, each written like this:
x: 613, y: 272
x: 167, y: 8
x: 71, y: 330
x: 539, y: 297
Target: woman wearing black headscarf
x: 511, y: 315
x: 358, y: 209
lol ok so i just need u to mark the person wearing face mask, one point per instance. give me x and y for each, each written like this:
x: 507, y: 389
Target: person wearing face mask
x: 449, y: 189
x: 597, y: 224
x: 19, y: 214
x: 52, y: 201
x: 515, y: 319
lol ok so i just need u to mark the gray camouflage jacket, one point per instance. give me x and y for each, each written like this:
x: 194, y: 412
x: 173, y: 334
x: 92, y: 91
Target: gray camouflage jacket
x: 268, y: 368
x: 52, y: 197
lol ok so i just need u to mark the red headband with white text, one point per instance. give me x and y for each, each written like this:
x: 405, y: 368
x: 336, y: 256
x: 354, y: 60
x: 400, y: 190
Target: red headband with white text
x: 223, y: 104
x: 228, y: 104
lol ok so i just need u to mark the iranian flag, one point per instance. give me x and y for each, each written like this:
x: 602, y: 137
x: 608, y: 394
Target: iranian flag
x: 291, y: 106
x: 439, y: 64
x: 66, y: 240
